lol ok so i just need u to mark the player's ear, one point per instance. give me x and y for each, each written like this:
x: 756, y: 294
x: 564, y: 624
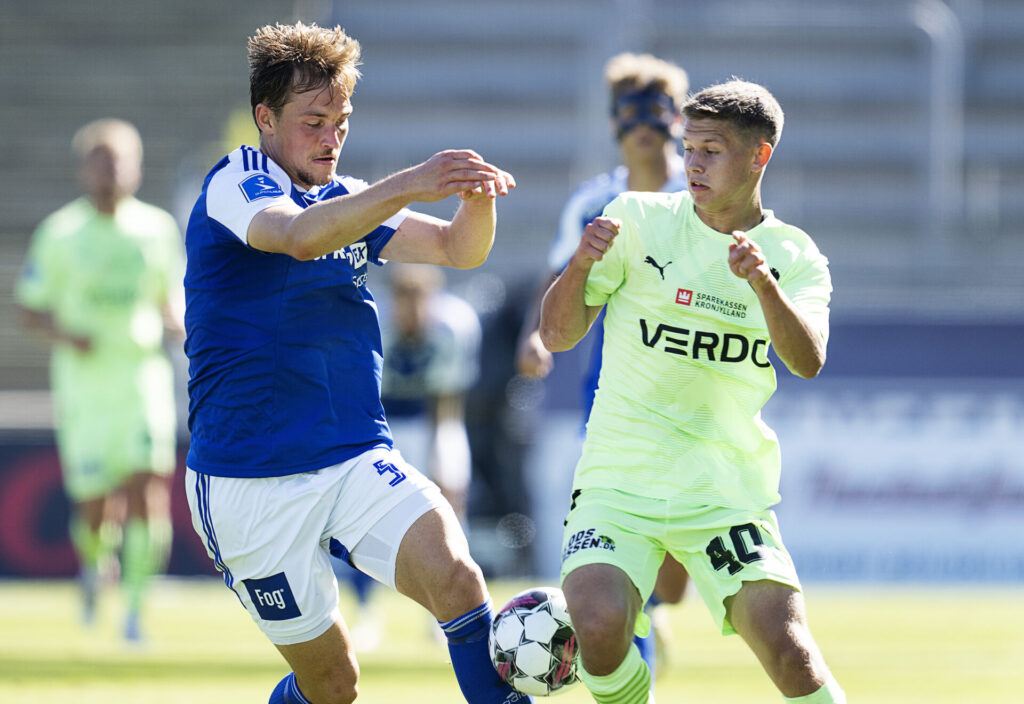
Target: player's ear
x: 762, y: 155
x: 264, y: 118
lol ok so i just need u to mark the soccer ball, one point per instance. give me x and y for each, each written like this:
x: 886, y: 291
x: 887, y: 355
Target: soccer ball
x: 532, y: 643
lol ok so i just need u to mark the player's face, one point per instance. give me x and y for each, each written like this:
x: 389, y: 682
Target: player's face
x: 722, y: 168
x: 110, y: 172
x: 411, y: 305
x: 307, y: 136
x: 644, y: 122
x: 643, y: 141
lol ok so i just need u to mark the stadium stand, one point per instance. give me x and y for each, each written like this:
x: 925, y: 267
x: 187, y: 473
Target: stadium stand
x: 521, y: 83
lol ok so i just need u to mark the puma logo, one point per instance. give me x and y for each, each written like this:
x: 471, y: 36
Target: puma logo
x: 659, y: 267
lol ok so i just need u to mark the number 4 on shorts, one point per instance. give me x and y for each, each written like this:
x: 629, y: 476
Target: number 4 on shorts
x: 721, y: 556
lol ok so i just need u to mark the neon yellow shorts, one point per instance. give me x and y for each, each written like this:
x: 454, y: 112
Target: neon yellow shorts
x: 112, y: 426
x: 720, y: 548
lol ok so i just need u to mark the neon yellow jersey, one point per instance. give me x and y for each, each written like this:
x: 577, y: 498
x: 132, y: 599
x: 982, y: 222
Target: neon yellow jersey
x: 686, y: 370
x: 106, y: 278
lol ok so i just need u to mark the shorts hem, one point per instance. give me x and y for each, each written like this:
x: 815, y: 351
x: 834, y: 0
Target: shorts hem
x: 305, y: 636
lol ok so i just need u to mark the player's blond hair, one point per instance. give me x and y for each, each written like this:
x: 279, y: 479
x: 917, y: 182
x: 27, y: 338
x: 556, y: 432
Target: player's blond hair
x: 628, y: 72
x: 109, y: 132
x: 749, y: 106
x: 295, y: 58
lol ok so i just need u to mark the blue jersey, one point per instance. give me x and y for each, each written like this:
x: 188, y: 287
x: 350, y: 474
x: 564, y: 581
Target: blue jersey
x: 284, y: 355
x: 586, y: 203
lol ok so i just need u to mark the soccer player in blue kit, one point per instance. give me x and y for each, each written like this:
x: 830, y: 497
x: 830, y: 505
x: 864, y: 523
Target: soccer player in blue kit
x: 291, y: 457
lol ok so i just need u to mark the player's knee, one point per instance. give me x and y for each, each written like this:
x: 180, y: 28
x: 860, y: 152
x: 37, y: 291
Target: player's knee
x: 466, y: 578
x: 795, y: 665
x: 458, y: 587
x: 602, y: 626
x: 340, y: 685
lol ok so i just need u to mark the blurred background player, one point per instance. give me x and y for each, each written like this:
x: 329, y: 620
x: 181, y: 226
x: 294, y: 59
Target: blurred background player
x: 431, y: 359
x: 431, y: 343
x: 646, y: 93
x: 102, y: 283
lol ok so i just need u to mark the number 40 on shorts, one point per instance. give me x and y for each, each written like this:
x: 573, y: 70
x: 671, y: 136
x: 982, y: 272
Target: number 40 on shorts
x: 746, y: 543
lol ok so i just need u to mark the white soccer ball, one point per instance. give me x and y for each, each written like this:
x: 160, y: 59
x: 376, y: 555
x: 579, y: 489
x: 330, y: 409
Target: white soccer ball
x: 532, y: 643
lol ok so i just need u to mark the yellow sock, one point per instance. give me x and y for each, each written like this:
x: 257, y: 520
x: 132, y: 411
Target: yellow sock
x: 829, y: 693
x: 630, y: 683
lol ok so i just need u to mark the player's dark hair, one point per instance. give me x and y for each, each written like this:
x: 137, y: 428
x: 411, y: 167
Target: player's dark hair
x: 297, y: 58
x: 748, y: 106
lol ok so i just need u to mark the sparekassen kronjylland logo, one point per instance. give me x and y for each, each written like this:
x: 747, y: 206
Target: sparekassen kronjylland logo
x: 687, y: 297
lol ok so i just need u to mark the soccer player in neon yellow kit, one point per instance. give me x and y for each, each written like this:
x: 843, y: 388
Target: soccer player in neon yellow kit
x: 677, y: 459
x: 646, y: 94
x: 101, y: 283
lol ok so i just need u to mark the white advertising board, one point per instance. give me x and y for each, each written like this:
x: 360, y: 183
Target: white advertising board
x: 912, y: 480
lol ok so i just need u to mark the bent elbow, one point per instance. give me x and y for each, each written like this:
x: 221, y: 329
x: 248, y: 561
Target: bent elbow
x: 553, y: 341
x: 811, y: 368
x: 471, y: 263
x: 301, y: 249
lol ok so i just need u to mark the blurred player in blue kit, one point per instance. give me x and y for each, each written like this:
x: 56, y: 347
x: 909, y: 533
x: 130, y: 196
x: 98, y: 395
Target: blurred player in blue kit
x: 431, y: 359
x: 431, y: 343
x: 101, y: 283
x: 646, y: 94
x: 291, y: 458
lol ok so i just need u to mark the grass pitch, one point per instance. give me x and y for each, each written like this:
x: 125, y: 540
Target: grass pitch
x: 886, y: 645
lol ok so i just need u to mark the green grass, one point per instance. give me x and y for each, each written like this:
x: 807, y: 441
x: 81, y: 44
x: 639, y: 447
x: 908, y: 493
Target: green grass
x: 906, y: 645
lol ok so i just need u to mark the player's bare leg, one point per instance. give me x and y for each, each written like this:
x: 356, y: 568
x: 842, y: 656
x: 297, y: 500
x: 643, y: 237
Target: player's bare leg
x: 435, y: 569
x: 672, y: 581
x: 604, y: 604
x: 325, y: 668
x: 771, y: 618
x: 92, y: 547
x: 668, y: 589
x: 147, y: 540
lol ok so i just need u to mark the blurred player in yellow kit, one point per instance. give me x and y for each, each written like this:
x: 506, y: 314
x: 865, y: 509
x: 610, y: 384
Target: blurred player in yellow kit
x: 102, y: 283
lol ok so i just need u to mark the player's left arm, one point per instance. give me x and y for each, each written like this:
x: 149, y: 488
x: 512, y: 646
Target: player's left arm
x: 463, y: 243
x: 797, y: 343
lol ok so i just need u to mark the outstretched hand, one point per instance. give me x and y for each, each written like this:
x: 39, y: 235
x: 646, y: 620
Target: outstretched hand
x: 460, y: 171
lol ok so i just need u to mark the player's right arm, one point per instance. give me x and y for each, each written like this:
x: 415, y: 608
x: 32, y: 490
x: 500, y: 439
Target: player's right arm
x: 37, y: 288
x: 41, y: 324
x: 565, y: 316
x: 532, y: 358
x: 338, y: 222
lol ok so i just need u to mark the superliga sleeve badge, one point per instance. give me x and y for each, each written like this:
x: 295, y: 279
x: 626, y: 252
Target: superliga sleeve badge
x: 260, y: 186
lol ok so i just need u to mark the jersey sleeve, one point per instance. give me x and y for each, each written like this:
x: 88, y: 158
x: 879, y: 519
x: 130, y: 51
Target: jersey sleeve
x: 809, y: 286
x: 608, y: 274
x: 39, y: 272
x: 378, y: 238
x: 236, y: 194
